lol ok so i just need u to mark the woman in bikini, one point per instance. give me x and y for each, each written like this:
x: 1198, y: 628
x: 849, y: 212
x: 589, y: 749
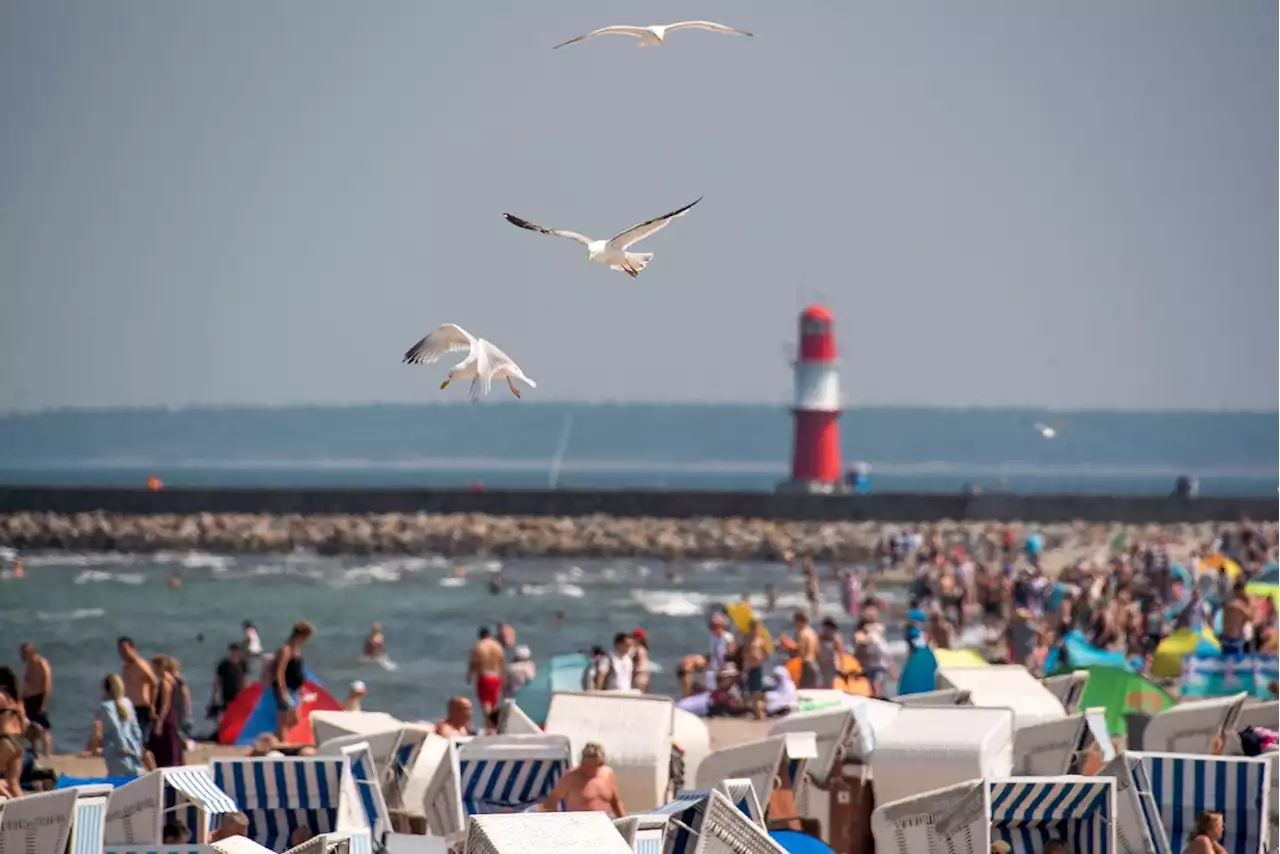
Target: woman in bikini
x: 288, y: 678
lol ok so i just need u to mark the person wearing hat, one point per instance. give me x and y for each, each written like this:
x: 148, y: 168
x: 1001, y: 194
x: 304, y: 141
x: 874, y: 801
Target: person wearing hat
x: 588, y: 787
x: 520, y: 671
x: 355, y: 695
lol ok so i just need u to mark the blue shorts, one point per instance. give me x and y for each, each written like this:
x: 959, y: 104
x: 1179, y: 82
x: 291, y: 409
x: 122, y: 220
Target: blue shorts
x: 755, y: 680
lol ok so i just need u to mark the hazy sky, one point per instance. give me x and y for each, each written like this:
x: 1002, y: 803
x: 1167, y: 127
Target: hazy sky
x: 1062, y: 204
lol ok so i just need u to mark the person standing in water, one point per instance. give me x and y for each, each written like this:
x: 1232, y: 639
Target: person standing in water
x: 487, y: 666
x: 139, y: 682
x: 252, y: 645
x: 374, y: 644
x: 289, y: 675
x: 37, y: 689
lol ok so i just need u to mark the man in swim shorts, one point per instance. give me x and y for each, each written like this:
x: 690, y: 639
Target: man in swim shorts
x: 37, y: 687
x: 487, y: 667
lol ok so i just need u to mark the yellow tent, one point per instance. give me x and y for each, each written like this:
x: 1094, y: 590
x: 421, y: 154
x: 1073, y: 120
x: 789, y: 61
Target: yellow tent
x: 741, y: 613
x: 1166, y: 663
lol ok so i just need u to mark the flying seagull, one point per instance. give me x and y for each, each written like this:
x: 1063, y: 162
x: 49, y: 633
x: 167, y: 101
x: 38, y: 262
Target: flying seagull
x: 483, y: 364
x: 613, y: 252
x: 656, y: 34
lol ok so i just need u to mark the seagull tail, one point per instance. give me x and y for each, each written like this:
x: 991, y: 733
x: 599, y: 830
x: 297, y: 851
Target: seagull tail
x: 637, y: 261
x: 531, y: 383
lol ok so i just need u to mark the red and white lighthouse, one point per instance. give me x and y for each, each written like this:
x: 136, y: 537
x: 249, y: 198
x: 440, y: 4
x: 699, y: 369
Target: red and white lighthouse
x: 815, y: 456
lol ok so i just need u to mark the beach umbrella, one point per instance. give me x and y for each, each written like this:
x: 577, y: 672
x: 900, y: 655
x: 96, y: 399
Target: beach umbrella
x: 1166, y: 662
x: 795, y: 842
x: 1215, y: 562
x: 562, y: 673
x: 1120, y: 691
x: 253, y: 713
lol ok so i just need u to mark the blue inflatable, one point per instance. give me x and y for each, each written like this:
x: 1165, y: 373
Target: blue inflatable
x: 1080, y: 653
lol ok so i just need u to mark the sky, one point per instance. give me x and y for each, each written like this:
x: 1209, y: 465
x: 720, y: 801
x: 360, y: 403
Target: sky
x: 1004, y: 203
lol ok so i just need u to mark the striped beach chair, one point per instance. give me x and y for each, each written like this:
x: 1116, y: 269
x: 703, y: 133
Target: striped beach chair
x: 394, y: 753
x: 38, y: 822
x: 1139, y: 829
x: 234, y: 845
x: 1239, y: 787
x: 544, y: 833
x: 700, y: 822
x: 741, y: 792
x: 1059, y: 747
x: 494, y: 774
x: 138, y: 810
x: 88, y: 819
x: 1024, y: 812
x: 281, y: 794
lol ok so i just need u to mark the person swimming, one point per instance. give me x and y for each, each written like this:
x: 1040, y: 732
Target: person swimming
x: 375, y: 643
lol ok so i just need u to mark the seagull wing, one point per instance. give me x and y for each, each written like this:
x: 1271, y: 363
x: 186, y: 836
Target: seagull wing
x: 639, y: 232
x: 554, y: 232
x: 706, y: 25
x: 445, y: 338
x: 619, y: 30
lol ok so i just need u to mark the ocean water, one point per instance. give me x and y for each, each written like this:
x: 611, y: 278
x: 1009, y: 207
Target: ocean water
x: 74, y: 606
x: 614, y: 445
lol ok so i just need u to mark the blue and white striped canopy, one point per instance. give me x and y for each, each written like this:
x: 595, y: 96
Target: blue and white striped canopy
x: 1184, y: 785
x: 1029, y: 813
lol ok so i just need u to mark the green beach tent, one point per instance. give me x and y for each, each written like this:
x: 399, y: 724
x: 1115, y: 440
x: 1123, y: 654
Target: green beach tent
x: 1119, y: 691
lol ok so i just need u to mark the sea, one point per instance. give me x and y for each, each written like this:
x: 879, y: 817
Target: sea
x: 74, y: 606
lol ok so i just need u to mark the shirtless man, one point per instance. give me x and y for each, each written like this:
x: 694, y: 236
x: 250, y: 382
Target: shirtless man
x: 139, y: 681
x: 807, y: 650
x: 1236, y: 616
x: 456, y: 722
x: 754, y: 656
x: 37, y: 688
x: 590, y: 787
x: 487, y: 666
x: 375, y: 643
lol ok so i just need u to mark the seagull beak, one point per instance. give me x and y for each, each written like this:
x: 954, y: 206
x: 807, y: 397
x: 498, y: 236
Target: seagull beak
x: 443, y: 384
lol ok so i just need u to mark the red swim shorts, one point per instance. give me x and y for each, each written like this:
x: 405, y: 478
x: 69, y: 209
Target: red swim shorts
x: 489, y: 690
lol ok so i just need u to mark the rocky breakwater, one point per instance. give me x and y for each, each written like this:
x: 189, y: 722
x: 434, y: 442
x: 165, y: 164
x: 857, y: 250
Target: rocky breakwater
x: 474, y: 534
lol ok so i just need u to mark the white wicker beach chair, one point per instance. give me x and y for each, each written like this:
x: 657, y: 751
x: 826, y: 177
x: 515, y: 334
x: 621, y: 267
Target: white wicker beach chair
x: 1259, y: 713
x: 1068, y: 688
x: 545, y: 833
x: 941, y: 697
x: 231, y: 845
x: 138, y: 810
x: 37, y: 822
x: 394, y: 753
x: 1005, y: 686
x: 513, y: 721
x: 926, y: 746
x: 757, y: 761
x: 700, y: 822
x: 327, y: 725
x: 1195, y: 726
x: 1059, y: 747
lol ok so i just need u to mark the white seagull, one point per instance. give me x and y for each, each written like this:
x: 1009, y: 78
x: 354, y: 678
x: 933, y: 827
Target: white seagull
x: 656, y: 34
x: 613, y: 252
x: 484, y: 361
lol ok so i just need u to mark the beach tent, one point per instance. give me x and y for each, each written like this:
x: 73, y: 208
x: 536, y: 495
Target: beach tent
x: 1005, y: 686
x: 1184, y: 785
x: 253, y: 713
x: 320, y: 793
x: 1166, y: 662
x: 699, y: 823
x: 1076, y: 653
x: 1139, y: 828
x: 1062, y: 746
x: 937, y: 697
x: 39, y: 822
x: 1119, y: 692
x: 920, y: 670
x: 562, y: 673
x: 544, y: 833
x: 926, y: 746
x: 1196, y: 726
x: 1023, y: 812
x: 1217, y: 675
x: 635, y: 731
x: 1068, y: 688
x: 493, y: 774
x: 138, y: 811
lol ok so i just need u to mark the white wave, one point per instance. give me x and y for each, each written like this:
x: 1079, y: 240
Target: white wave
x: 68, y: 616
x: 556, y: 588
x: 98, y: 576
x: 374, y: 573
x: 453, y: 582
x: 82, y: 559
x: 7, y: 553
x: 671, y: 603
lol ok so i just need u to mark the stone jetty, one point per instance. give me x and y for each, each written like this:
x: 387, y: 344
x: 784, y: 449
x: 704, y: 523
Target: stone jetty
x: 587, y: 536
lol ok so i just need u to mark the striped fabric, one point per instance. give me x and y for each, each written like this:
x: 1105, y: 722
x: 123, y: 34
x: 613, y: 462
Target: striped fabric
x: 1184, y: 785
x: 688, y: 809
x: 1138, y: 827
x: 365, y: 773
x: 191, y: 797
x: 281, y: 795
x: 1029, y: 812
x: 507, y: 785
x: 741, y: 793
x: 87, y: 825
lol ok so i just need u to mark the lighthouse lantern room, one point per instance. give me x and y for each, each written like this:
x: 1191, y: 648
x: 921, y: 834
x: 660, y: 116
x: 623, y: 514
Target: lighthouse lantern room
x: 815, y: 457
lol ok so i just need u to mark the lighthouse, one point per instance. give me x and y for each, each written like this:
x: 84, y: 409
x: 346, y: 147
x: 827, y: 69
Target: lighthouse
x: 815, y: 455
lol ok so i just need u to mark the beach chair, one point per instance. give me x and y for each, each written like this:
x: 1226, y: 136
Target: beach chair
x: 740, y: 791
x: 230, y: 845
x: 513, y: 721
x: 88, y: 819
x: 1005, y: 686
x: 690, y: 745
x: 1023, y: 812
x: 1182, y: 786
x: 394, y: 754
x: 635, y: 731
x: 1260, y: 713
x: 1068, y: 688
x: 320, y: 793
x: 941, y: 697
x: 544, y: 833
x: 1139, y: 829
x: 38, y: 822
x: 761, y: 762
x: 331, y: 843
x: 1194, y: 726
x: 138, y: 810
x: 493, y: 774
x: 698, y: 822
x: 926, y: 746
x: 1060, y: 747
x: 330, y: 725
